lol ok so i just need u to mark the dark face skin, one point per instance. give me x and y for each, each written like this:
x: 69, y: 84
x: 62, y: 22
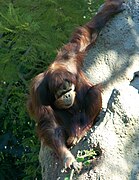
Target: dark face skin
x: 65, y: 95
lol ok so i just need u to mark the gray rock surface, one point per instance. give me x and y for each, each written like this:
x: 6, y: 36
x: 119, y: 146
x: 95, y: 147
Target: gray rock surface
x: 115, y: 57
x: 118, y: 137
x: 114, y: 62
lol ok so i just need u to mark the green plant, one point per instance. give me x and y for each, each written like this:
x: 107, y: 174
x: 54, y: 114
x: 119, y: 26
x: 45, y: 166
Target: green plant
x: 86, y: 157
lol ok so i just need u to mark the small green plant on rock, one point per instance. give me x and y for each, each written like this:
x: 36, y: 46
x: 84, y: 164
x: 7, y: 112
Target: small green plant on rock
x: 87, y: 158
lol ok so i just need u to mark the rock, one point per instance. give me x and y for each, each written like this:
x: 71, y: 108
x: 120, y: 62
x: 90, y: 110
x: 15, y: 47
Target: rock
x: 114, y: 62
x: 118, y: 136
x: 115, y: 57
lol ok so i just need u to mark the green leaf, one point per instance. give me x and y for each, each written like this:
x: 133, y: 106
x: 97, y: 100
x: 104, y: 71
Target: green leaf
x: 80, y: 159
x: 87, y: 163
x: 67, y: 178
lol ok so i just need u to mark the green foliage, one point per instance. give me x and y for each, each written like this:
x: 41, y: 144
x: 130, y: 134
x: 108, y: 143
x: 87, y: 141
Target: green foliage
x: 85, y: 157
x: 31, y: 32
